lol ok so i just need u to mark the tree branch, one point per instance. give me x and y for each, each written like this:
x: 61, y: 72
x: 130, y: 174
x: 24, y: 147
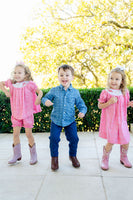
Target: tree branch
x: 129, y: 46
x: 118, y: 25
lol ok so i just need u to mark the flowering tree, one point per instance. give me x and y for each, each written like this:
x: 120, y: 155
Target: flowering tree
x: 92, y: 36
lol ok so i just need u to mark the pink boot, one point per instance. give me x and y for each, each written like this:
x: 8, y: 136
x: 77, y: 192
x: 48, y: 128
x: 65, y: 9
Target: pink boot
x: 33, y: 154
x: 105, y: 159
x: 17, y: 154
x: 123, y: 158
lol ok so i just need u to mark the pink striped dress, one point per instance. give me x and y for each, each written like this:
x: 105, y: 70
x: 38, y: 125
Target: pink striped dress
x: 113, y: 123
x: 22, y: 99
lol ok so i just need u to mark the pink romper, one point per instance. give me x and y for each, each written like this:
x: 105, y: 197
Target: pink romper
x: 22, y: 99
x: 113, y: 124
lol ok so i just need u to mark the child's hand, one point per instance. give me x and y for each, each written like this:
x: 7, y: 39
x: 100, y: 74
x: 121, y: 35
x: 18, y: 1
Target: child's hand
x: 2, y: 87
x: 7, y: 93
x: 112, y: 100
x: 48, y: 103
x: 38, y: 100
x: 81, y: 115
x: 130, y: 103
x: 39, y: 96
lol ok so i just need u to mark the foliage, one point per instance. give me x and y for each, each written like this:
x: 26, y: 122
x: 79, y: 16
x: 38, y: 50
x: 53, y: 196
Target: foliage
x: 92, y: 36
x: 5, y: 114
x: 42, y: 120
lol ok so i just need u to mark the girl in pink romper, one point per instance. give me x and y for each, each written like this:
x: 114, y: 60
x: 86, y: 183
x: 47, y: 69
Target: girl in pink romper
x: 113, y: 125
x: 22, y: 93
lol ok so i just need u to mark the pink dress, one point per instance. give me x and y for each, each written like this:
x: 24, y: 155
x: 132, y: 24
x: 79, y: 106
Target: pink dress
x: 113, y: 124
x: 22, y: 99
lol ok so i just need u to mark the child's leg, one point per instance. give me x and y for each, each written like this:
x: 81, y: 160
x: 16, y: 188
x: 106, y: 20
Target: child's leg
x: 28, y: 124
x: 29, y: 135
x: 105, y: 158
x: 16, y: 135
x: 54, y: 139
x: 72, y: 137
x: 108, y: 147
x: 123, y: 155
x: 32, y: 146
x: 54, y: 144
x: 125, y: 146
x: 16, y: 124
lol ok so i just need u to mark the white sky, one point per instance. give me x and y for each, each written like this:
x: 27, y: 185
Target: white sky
x: 15, y: 15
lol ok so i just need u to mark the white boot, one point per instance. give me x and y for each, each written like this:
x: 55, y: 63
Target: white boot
x: 16, y: 154
x: 33, y: 154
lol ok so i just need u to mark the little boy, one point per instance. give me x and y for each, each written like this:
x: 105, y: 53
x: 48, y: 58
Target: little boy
x: 63, y: 98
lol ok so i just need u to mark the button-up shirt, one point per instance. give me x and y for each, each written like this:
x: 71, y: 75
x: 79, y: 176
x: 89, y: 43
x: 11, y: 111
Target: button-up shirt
x: 64, y: 101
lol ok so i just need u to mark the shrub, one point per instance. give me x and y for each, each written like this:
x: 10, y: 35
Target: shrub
x: 42, y: 120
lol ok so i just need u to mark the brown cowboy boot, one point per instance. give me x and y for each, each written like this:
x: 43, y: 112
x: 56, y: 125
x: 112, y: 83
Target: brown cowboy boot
x: 54, y: 163
x: 75, y: 161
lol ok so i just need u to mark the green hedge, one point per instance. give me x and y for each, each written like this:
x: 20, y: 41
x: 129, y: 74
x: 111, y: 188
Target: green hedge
x: 42, y: 120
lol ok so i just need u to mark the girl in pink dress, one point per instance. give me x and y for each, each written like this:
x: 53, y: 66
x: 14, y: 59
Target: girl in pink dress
x: 22, y: 93
x: 113, y: 125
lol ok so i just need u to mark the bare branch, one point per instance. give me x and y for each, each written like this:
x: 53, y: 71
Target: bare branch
x: 118, y: 25
x: 73, y: 17
x: 129, y: 46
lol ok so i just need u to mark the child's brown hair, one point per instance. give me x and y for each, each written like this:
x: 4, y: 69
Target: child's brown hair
x: 65, y: 67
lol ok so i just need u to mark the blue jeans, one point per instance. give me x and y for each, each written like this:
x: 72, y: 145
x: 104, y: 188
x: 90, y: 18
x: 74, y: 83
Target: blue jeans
x: 71, y: 135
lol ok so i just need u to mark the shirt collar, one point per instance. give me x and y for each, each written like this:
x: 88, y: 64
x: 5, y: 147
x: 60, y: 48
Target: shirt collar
x: 114, y: 92
x: 70, y: 87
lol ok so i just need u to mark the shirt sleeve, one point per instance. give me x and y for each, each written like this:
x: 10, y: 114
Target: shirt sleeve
x: 48, y: 96
x: 103, y: 97
x: 8, y: 83
x: 80, y: 104
x: 32, y: 86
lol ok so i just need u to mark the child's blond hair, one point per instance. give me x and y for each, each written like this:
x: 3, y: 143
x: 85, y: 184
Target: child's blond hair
x: 123, y: 85
x: 28, y: 76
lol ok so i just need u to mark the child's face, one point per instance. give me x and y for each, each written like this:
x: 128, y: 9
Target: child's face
x: 115, y: 80
x: 65, y: 78
x: 19, y: 74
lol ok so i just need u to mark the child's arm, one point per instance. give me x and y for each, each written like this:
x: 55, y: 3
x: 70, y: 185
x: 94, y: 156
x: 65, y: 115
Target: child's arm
x: 2, y: 87
x: 39, y: 96
x: 48, y: 103
x: 112, y: 100
x: 47, y: 99
x: 130, y: 104
x: 80, y: 104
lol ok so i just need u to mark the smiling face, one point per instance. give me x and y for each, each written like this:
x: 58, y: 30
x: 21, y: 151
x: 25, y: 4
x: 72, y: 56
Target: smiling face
x: 19, y: 74
x: 65, y: 78
x: 115, y: 80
